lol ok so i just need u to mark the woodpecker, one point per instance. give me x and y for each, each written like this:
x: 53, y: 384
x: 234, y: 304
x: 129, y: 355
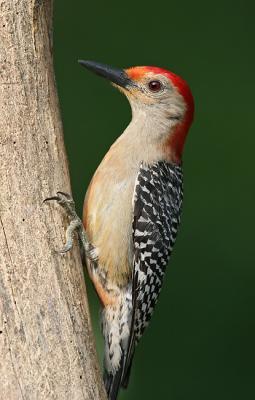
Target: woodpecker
x: 132, y: 209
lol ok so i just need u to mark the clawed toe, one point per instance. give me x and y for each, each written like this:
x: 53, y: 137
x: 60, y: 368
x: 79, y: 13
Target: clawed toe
x: 65, y: 249
x: 65, y: 197
x: 61, y: 197
x: 65, y: 200
x: 51, y: 198
x: 75, y: 225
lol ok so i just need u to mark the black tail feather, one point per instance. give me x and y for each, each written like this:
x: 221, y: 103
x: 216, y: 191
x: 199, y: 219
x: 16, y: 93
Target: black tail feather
x: 112, y: 384
x: 126, y: 377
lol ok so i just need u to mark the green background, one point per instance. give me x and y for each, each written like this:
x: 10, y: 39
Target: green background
x: 201, y: 342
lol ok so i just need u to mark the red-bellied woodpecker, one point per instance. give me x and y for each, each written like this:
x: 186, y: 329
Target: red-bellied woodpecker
x: 132, y: 209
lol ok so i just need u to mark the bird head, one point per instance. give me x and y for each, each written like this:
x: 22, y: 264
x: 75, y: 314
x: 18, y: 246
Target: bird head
x: 160, y: 98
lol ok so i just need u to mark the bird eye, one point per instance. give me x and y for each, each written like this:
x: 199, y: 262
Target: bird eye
x: 155, y: 86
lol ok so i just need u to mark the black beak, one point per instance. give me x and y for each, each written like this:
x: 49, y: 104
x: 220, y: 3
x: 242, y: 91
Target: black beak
x: 115, y: 75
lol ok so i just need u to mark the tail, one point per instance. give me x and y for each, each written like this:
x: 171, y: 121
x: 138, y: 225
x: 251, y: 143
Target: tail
x: 126, y: 376
x: 113, y: 382
x: 116, y: 331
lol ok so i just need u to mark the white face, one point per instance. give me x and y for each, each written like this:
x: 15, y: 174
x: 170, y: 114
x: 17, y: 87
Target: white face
x: 155, y: 114
x: 157, y: 97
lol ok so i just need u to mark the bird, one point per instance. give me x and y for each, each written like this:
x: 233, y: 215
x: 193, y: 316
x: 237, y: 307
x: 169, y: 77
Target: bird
x: 132, y: 209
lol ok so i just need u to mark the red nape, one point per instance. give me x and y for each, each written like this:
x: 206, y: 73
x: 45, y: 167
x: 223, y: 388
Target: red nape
x: 177, y: 139
x: 137, y: 73
x: 180, y: 84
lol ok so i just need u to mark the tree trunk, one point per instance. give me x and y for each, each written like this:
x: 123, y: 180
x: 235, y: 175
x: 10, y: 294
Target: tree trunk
x: 46, y: 343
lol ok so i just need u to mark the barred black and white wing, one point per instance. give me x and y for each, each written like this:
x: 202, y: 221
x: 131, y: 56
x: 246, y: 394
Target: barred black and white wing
x: 157, y: 210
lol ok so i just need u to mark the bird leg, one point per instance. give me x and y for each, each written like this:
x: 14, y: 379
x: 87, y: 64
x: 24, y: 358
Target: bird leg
x: 76, y: 225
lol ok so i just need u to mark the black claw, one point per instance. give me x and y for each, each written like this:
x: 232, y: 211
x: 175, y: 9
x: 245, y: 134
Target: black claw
x: 51, y: 198
x: 67, y: 195
x: 59, y: 197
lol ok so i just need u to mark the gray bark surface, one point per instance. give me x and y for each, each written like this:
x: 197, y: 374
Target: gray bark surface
x: 47, y: 350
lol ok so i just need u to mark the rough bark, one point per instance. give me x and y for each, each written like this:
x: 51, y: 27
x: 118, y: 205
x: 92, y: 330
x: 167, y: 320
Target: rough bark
x: 46, y: 343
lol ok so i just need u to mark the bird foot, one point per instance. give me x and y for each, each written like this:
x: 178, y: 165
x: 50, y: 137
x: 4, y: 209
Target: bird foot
x: 66, y: 201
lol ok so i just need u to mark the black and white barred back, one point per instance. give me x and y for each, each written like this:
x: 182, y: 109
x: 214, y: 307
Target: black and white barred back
x: 157, y: 202
x: 157, y: 210
x: 157, y: 206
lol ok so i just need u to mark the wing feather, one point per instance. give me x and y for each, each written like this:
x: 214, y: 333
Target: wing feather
x: 157, y: 208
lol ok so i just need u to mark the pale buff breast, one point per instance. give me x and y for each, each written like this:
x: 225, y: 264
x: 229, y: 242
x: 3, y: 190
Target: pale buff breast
x: 108, y: 215
x: 108, y: 209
